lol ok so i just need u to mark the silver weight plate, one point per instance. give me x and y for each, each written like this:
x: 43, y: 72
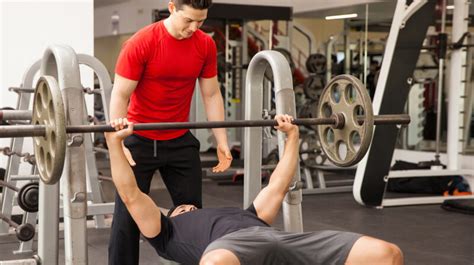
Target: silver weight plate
x: 311, y: 153
x: 346, y: 95
x: 313, y: 86
x: 308, y: 111
x: 48, y: 110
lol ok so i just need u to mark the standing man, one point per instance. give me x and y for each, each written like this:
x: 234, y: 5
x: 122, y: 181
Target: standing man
x: 155, y: 76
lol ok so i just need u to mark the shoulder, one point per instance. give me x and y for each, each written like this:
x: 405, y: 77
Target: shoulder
x: 149, y: 34
x: 203, y: 37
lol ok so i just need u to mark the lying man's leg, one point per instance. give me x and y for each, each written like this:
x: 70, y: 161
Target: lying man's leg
x: 381, y: 252
x: 218, y: 257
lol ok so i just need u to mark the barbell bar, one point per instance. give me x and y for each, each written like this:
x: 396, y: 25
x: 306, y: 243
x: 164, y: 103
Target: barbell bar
x: 40, y: 130
x: 15, y: 115
x: 343, y: 117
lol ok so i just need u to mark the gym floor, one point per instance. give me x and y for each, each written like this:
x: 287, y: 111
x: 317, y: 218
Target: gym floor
x: 426, y: 234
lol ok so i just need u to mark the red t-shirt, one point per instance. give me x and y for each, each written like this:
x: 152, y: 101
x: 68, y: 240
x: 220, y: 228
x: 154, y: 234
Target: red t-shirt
x: 166, y: 70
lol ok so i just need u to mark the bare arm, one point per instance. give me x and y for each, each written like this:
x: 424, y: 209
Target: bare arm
x: 121, y: 92
x: 268, y: 201
x: 214, y: 105
x: 141, y: 207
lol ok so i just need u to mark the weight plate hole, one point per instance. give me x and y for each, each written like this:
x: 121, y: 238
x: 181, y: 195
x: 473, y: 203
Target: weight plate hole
x: 304, y: 156
x: 335, y: 93
x: 52, y: 143
x: 355, y: 141
x: 359, y: 115
x: 40, y: 158
x: 320, y: 159
x: 49, y: 163
x: 350, y: 94
x: 45, y: 95
x: 38, y: 105
x: 326, y: 110
x: 341, y: 150
x: 51, y: 113
x: 329, y: 135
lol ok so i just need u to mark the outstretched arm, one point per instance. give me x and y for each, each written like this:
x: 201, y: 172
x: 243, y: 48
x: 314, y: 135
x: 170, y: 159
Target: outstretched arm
x: 141, y: 207
x: 121, y: 92
x: 268, y: 201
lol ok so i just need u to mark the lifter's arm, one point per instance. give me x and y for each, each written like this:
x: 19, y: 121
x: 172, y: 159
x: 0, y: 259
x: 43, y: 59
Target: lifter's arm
x: 268, y: 201
x: 143, y: 210
x: 121, y: 92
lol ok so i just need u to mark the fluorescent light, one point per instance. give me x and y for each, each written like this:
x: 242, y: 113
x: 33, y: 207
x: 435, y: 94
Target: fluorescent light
x: 450, y: 7
x: 341, y: 16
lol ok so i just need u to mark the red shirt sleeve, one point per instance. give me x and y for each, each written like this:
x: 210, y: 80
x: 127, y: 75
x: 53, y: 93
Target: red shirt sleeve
x: 134, y: 55
x: 210, y: 66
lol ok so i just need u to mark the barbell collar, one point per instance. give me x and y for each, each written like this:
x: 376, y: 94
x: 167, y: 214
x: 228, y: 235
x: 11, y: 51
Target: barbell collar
x: 394, y: 119
x: 40, y: 130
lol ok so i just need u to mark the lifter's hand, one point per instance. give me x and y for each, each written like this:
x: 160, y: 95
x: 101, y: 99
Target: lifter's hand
x: 225, y: 158
x: 124, y: 128
x: 285, y: 125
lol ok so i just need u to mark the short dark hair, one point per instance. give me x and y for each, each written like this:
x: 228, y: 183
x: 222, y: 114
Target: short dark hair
x: 170, y: 211
x: 196, y: 4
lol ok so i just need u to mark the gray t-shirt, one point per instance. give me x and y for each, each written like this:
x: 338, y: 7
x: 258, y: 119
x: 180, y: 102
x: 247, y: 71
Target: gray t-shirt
x: 185, y: 237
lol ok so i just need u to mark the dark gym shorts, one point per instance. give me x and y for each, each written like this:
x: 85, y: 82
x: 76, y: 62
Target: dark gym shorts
x: 266, y: 245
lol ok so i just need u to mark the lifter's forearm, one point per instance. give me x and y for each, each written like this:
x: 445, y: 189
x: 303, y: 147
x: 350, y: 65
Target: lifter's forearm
x: 122, y: 174
x: 286, y: 168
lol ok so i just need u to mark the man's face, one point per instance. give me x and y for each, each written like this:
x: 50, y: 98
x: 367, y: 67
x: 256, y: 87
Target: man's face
x: 183, y: 208
x: 187, y: 20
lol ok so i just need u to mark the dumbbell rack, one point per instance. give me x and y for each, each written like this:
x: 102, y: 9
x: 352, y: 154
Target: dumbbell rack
x: 13, y: 164
x: 96, y: 207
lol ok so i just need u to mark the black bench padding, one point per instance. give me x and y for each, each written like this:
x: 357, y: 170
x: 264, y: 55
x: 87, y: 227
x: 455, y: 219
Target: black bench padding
x: 465, y: 206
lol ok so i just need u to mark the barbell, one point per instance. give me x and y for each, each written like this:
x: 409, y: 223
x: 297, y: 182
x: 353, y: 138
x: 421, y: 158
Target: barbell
x: 345, y: 119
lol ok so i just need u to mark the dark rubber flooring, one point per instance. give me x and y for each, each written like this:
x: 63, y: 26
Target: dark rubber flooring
x: 426, y: 234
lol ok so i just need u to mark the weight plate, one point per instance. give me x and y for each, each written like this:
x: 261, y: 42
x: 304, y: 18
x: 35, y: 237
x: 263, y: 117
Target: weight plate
x: 25, y: 232
x: 345, y: 95
x: 313, y: 86
x: 311, y: 153
x: 28, y: 197
x: 272, y: 158
x: 308, y: 110
x: 316, y: 63
x: 48, y: 110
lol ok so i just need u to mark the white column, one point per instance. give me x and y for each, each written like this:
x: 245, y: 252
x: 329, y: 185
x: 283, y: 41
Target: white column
x: 456, y: 86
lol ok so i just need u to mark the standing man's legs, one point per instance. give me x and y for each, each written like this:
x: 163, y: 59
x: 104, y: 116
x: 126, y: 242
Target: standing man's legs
x: 182, y: 173
x: 125, y: 235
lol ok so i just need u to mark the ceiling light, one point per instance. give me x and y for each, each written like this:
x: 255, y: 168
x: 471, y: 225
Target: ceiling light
x: 450, y: 7
x: 341, y: 16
